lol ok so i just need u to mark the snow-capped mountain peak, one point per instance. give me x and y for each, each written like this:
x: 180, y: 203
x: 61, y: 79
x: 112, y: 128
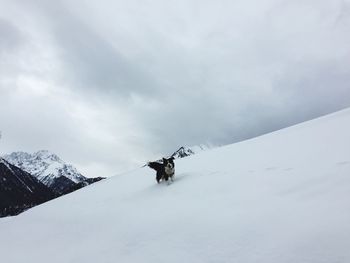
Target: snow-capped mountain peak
x: 45, y: 166
x: 46, y: 155
x: 185, y: 151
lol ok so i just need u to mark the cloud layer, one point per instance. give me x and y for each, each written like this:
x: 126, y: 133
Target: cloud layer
x: 112, y: 84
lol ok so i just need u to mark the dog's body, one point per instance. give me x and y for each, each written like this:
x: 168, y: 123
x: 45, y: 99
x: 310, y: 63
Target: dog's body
x: 164, y: 170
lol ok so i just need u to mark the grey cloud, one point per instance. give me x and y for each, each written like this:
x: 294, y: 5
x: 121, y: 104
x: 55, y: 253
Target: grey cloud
x: 91, y: 62
x: 316, y: 88
x: 10, y: 36
x: 160, y: 75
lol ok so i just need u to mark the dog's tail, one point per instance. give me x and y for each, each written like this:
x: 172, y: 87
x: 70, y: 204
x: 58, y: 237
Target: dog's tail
x: 154, y: 165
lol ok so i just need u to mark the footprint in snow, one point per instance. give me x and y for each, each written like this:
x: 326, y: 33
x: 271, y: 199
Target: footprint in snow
x: 270, y: 168
x: 343, y: 163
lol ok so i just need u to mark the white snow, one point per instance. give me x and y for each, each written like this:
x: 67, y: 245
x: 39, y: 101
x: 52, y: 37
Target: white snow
x: 282, y: 197
x: 201, y: 147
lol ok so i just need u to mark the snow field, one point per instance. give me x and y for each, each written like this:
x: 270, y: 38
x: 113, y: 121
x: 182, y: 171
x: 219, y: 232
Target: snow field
x: 281, y: 197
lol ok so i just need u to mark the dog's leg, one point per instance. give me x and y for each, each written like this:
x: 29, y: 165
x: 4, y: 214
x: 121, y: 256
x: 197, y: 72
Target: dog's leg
x: 159, y: 177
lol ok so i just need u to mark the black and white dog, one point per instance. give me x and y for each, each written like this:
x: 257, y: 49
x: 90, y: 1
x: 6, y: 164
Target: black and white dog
x: 164, y: 170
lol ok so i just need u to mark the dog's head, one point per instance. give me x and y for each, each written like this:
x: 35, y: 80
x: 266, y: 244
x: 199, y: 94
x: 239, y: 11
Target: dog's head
x: 169, y: 163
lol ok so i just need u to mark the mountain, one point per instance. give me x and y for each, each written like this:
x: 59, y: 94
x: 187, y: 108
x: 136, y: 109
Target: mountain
x: 49, y: 169
x: 184, y: 151
x: 281, y: 197
x: 45, y: 166
x: 19, y: 190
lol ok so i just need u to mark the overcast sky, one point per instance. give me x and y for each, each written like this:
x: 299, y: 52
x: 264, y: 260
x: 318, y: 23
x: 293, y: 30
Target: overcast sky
x: 110, y: 84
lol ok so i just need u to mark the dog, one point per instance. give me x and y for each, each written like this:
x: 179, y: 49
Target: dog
x: 164, y: 170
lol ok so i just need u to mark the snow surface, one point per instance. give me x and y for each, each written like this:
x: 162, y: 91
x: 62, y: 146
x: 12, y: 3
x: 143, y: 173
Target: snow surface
x: 282, y: 197
x: 201, y: 147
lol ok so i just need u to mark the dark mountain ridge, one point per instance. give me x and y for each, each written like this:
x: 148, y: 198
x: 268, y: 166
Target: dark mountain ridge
x: 20, y: 190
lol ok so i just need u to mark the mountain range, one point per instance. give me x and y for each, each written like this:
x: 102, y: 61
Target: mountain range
x: 28, y: 179
x: 50, y: 170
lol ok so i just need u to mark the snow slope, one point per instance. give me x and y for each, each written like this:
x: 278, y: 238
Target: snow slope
x: 282, y: 197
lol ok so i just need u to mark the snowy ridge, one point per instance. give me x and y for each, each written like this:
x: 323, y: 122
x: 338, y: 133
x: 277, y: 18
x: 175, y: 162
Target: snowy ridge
x: 3, y: 161
x: 45, y: 166
x: 278, y: 198
x: 185, y: 151
x: 8, y: 166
